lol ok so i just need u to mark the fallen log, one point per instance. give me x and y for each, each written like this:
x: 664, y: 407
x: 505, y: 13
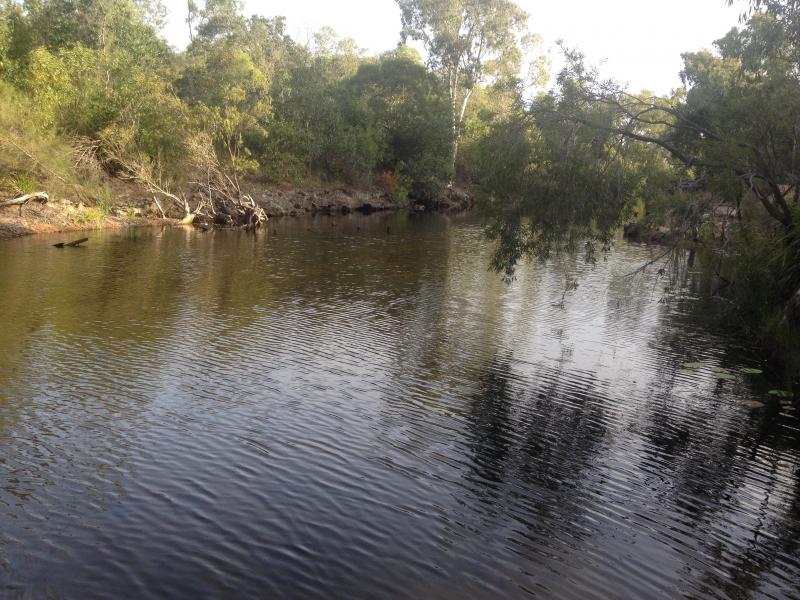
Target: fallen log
x: 74, y: 244
x: 41, y: 197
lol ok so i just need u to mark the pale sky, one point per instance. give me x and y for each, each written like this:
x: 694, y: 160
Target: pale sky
x: 639, y: 42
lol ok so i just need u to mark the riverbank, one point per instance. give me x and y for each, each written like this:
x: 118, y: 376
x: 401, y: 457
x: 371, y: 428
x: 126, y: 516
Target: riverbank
x: 131, y: 207
x: 63, y: 216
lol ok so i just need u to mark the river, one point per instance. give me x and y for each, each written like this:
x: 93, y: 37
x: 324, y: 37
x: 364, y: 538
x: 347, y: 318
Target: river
x: 358, y: 408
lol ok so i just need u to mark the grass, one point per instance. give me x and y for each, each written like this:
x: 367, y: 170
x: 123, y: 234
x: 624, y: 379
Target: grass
x: 88, y: 216
x: 105, y: 201
x: 19, y: 185
x: 33, y: 158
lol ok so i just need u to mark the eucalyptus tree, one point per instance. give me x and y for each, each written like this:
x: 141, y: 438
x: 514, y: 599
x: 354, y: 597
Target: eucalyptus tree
x: 221, y: 80
x: 786, y: 12
x: 219, y: 19
x: 468, y: 42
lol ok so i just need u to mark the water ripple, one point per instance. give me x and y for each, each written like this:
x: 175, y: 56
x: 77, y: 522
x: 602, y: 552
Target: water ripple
x: 342, y: 412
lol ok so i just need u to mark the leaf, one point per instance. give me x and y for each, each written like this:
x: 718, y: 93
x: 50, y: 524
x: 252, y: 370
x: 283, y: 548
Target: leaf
x: 749, y: 371
x: 781, y: 394
x: 720, y: 371
x: 726, y: 377
x: 694, y: 365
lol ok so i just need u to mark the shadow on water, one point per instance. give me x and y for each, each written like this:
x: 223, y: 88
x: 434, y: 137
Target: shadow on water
x: 490, y: 423
x: 356, y: 407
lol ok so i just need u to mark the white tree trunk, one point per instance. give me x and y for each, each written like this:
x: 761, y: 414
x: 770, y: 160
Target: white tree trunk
x: 41, y: 197
x: 458, y: 125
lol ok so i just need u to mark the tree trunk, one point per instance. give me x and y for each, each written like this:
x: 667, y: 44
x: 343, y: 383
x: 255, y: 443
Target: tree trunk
x: 454, y: 119
x: 458, y: 126
x: 41, y: 197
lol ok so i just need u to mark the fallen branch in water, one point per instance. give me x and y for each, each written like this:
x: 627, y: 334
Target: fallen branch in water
x: 41, y: 197
x: 571, y: 286
x: 74, y: 244
x: 221, y: 201
x: 649, y: 263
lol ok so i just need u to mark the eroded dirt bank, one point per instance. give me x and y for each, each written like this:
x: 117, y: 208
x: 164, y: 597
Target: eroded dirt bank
x: 132, y: 207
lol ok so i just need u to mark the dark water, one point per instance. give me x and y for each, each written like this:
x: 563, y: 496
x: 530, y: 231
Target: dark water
x: 351, y: 412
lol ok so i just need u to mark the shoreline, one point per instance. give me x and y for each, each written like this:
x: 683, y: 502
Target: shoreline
x: 133, y: 210
x: 12, y: 229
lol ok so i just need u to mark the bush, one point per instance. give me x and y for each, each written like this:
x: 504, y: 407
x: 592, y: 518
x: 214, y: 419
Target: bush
x: 763, y: 266
x: 30, y: 155
x: 396, y: 185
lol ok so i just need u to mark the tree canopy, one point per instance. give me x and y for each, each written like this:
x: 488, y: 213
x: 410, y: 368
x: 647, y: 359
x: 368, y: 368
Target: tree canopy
x: 468, y: 42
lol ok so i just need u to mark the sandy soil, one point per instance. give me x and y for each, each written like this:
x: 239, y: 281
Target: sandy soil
x: 63, y: 217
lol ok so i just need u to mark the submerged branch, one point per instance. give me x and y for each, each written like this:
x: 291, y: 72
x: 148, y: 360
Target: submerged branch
x: 650, y: 263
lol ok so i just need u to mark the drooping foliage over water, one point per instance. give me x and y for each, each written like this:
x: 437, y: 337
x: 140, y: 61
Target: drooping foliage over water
x: 715, y: 162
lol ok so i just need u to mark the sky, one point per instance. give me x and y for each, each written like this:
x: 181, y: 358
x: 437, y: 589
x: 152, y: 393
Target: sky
x: 638, y: 42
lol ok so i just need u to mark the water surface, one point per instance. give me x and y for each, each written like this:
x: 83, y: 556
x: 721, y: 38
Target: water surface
x: 357, y: 408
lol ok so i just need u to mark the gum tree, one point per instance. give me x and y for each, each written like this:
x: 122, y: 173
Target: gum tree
x: 468, y: 42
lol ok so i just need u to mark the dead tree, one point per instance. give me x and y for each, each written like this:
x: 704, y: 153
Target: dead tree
x: 112, y: 155
x: 228, y: 205
x: 221, y: 201
x: 41, y: 197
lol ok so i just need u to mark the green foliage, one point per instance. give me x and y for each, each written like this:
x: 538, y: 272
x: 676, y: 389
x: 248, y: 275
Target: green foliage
x: 469, y: 42
x: 88, y: 216
x: 408, y: 113
x: 19, y: 184
x: 764, y: 268
x: 105, y: 201
x: 315, y: 119
x: 31, y: 158
x: 546, y: 185
x: 274, y: 109
x: 101, y: 65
